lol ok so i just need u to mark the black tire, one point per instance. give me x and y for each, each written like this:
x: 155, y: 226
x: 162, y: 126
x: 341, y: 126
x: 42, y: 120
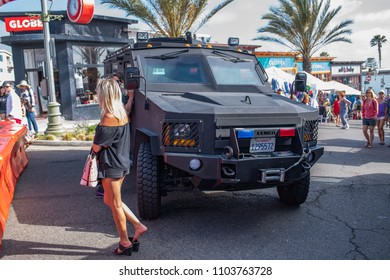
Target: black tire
x: 295, y: 193
x: 148, y: 190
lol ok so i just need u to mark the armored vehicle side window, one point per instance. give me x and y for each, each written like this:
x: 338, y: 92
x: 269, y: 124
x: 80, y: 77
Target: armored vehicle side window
x: 177, y: 69
x: 230, y: 71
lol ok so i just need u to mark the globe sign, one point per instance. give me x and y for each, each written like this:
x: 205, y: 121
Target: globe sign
x: 79, y: 11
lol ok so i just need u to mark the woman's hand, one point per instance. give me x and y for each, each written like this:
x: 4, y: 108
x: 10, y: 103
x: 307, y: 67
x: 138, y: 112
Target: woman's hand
x: 96, y: 148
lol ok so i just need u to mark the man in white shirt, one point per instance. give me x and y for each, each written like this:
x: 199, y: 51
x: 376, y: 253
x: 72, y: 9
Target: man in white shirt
x: 14, y: 105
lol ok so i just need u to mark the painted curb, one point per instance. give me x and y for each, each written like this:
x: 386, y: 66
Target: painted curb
x: 61, y: 143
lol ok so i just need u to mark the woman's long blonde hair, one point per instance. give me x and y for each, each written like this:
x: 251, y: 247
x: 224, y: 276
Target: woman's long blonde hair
x: 110, y: 99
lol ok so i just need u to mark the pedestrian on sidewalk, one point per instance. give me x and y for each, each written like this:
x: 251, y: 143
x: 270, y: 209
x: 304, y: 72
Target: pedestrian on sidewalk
x: 369, y: 113
x: 14, y: 105
x: 29, y: 102
x: 380, y: 118
x: 3, y: 103
x: 344, y: 106
x: 336, y: 110
x: 112, y: 146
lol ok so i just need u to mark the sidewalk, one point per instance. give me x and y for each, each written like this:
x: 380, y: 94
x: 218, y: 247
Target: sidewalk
x: 42, y: 123
x: 68, y: 125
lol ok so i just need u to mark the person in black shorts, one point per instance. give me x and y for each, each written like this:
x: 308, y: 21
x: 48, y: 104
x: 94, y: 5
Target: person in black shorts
x: 112, y: 146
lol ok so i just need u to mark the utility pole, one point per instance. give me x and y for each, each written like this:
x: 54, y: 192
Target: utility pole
x: 54, y: 125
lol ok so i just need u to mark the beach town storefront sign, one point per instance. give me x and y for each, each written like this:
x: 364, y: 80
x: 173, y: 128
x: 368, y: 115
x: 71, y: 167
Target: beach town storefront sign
x: 79, y: 11
x: 21, y: 24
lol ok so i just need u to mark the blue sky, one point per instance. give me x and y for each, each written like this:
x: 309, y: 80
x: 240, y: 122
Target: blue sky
x: 242, y: 18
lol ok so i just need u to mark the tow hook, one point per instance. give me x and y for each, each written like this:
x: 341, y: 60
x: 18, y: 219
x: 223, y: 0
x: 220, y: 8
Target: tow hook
x: 306, y: 165
x: 308, y: 157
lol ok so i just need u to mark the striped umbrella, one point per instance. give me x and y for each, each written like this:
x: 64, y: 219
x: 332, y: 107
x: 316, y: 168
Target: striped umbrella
x: 2, y: 2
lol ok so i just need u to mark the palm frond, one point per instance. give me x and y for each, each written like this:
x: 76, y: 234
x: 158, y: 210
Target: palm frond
x: 304, y: 25
x: 167, y: 17
x: 213, y: 12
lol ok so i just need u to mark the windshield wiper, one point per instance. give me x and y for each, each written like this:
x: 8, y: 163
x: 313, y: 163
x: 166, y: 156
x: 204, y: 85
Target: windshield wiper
x: 231, y: 58
x: 170, y: 55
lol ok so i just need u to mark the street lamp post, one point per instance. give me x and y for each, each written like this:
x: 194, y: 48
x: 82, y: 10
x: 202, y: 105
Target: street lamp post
x: 54, y: 125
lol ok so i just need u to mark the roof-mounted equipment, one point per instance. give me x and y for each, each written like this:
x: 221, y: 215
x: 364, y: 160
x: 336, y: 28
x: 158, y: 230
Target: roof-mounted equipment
x: 142, y: 36
x: 233, y: 41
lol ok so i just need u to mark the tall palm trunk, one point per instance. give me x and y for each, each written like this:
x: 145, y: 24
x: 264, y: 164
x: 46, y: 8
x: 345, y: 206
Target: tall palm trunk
x: 380, y: 56
x: 306, y: 63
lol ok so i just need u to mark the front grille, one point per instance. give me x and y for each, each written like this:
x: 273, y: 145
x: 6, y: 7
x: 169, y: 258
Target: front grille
x: 310, y: 133
x: 181, y: 134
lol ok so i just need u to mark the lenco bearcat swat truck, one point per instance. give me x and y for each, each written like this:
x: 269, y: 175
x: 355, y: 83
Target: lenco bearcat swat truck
x: 205, y: 118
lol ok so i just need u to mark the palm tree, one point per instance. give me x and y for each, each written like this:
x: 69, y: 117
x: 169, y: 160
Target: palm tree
x: 304, y: 26
x: 324, y: 54
x: 378, y: 40
x: 171, y: 18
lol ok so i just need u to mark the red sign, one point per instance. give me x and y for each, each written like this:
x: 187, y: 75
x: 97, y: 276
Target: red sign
x: 81, y: 11
x: 368, y: 78
x: 20, y: 24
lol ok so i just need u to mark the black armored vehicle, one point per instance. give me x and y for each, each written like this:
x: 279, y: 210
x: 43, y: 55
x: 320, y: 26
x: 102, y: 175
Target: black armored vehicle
x: 206, y: 118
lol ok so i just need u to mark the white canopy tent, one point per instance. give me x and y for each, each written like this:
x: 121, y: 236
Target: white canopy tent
x: 279, y: 75
x: 336, y: 86
x: 316, y: 83
x: 279, y: 79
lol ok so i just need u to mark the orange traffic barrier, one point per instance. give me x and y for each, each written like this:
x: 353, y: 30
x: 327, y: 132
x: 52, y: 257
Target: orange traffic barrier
x: 13, y: 160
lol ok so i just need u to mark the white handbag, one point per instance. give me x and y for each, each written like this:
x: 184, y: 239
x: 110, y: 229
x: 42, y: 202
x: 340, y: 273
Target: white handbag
x: 90, y: 172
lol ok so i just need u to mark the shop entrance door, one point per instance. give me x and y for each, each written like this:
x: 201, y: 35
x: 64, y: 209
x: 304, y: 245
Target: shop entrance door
x: 38, y: 85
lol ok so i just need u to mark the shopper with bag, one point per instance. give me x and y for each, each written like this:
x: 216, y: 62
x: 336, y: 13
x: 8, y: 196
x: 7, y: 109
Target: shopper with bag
x: 112, y: 146
x: 29, y: 102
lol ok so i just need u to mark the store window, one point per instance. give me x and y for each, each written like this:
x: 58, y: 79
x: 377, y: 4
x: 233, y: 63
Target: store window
x: 35, y: 58
x: 88, y: 69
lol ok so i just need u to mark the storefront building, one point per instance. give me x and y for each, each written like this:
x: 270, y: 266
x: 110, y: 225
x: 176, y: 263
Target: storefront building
x: 291, y: 63
x: 324, y: 68
x: 6, y: 67
x: 348, y: 73
x: 78, y: 53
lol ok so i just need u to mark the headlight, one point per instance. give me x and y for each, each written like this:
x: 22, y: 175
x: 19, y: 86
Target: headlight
x: 195, y: 164
x: 181, y: 134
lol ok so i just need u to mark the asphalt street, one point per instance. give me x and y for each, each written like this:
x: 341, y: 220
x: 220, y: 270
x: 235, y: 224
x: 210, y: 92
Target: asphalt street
x: 346, y: 216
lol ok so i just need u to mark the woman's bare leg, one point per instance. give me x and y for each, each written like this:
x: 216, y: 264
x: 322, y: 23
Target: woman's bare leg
x: 365, y: 133
x: 112, y: 197
x: 381, y: 131
x: 139, y: 228
x: 372, y: 134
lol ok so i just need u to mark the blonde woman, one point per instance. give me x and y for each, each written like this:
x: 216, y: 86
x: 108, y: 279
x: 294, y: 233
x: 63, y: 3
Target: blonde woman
x: 112, y: 144
x: 369, y: 113
x: 380, y: 120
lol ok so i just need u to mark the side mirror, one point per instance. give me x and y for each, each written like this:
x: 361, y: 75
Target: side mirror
x: 300, y: 82
x: 132, y: 78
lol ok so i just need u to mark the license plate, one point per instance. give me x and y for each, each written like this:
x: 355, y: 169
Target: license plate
x: 260, y: 145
